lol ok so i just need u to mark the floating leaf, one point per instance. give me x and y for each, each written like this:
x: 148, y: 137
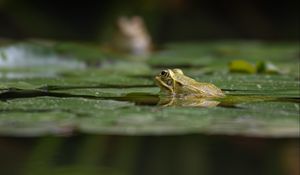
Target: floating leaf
x: 242, y: 67
x: 115, y: 96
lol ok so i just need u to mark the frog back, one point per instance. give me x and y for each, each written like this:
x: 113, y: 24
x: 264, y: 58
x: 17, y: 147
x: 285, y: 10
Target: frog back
x: 208, y: 90
x: 189, y: 86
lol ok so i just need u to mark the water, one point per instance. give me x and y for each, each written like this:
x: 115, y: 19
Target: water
x: 147, y: 155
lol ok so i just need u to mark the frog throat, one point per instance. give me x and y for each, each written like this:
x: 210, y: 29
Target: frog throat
x: 170, y: 88
x: 164, y: 86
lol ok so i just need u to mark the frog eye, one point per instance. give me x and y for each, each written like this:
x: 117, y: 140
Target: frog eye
x: 164, y: 73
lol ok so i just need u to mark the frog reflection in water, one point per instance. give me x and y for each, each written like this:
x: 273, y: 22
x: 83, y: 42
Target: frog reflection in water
x: 180, y: 90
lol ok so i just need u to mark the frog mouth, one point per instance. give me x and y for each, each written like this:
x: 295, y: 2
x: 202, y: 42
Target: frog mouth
x: 163, y: 85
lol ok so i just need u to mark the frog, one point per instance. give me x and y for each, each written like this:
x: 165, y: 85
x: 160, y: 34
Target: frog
x: 174, y: 83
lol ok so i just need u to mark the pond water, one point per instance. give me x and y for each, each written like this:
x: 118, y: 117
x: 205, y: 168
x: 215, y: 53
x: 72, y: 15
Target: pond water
x: 161, y: 155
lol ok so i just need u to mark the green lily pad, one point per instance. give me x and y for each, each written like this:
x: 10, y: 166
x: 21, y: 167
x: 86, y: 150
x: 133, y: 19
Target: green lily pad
x: 48, y: 115
x: 110, y: 95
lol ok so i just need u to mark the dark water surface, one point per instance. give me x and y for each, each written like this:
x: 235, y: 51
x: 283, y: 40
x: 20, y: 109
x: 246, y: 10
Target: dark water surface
x: 148, y: 155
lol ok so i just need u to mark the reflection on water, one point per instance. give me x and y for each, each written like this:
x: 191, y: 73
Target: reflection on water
x: 160, y: 155
x: 188, y: 101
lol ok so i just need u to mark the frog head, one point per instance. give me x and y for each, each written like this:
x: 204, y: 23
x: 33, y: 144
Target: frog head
x: 168, y: 80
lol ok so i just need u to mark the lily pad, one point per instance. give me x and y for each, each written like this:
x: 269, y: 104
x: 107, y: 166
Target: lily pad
x: 110, y: 95
x: 57, y: 116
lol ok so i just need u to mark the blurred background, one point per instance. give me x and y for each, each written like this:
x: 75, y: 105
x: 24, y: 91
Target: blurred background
x: 167, y: 20
x: 148, y: 155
